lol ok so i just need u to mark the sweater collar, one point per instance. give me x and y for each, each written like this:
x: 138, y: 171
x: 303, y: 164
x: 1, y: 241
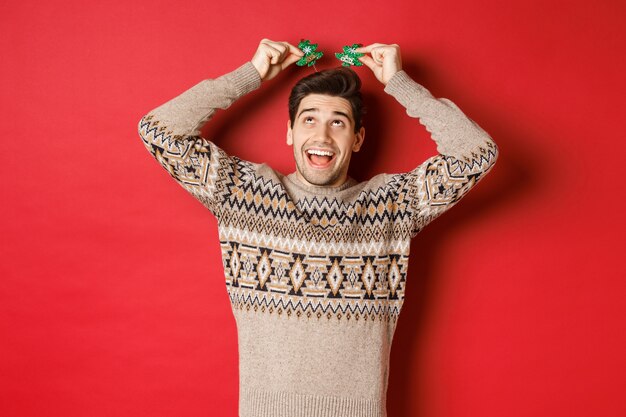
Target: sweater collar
x: 319, y: 189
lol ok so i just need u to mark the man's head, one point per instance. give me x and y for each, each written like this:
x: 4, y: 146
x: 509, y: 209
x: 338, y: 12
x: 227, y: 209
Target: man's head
x: 325, y: 125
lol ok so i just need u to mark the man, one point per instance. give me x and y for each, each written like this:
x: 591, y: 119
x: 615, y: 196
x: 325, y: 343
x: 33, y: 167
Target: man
x: 315, y: 263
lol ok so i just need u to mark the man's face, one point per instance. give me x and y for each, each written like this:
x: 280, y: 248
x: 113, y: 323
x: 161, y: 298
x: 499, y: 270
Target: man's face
x: 323, y: 139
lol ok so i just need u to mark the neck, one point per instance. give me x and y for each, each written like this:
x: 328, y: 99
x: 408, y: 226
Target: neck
x: 302, y: 183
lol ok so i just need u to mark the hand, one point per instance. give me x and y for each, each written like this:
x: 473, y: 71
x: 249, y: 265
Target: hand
x: 273, y: 57
x: 383, y: 60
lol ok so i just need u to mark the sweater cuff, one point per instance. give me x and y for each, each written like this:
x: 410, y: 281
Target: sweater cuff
x: 403, y: 88
x: 245, y: 79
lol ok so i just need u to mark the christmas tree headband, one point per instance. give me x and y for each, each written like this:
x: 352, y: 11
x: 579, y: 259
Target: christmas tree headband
x: 348, y: 57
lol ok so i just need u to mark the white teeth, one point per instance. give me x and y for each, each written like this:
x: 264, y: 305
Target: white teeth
x: 319, y: 152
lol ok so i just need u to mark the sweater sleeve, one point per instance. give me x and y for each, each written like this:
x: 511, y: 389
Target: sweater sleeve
x: 465, y: 153
x: 171, y: 133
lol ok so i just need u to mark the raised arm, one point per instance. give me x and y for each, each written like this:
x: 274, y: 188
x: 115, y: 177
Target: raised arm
x: 171, y: 132
x: 466, y: 152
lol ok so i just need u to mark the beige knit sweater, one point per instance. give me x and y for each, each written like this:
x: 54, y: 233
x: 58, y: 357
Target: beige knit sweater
x: 316, y: 275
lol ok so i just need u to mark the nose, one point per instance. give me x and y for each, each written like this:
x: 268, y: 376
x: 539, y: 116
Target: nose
x: 322, y: 134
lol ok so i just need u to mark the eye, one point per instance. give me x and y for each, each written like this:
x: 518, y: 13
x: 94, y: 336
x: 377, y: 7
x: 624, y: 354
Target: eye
x: 337, y: 123
x: 308, y: 119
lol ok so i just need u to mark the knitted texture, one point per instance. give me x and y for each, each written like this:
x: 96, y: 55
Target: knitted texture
x: 316, y: 275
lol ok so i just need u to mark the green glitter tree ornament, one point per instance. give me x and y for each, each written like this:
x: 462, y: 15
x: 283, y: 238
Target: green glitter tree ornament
x: 350, y: 56
x: 310, y: 55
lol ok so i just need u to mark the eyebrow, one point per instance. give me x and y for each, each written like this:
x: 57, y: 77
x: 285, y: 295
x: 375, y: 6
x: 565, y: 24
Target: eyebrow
x: 315, y: 109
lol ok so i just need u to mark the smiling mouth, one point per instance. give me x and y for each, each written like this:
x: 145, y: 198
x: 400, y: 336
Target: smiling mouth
x: 320, y: 158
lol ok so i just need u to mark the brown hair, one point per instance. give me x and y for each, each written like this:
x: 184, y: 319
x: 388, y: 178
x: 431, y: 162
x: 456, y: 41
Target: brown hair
x: 337, y: 82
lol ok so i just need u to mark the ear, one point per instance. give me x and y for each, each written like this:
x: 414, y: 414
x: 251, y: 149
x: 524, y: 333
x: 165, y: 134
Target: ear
x: 289, y: 133
x: 360, y: 137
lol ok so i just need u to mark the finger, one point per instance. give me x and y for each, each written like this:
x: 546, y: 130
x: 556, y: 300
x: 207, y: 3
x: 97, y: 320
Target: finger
x: 291, y: 58
x: 284, y: 50
x: 280, y: 47
x: 294, y: 50
x: 369, y: 62
x: 378, y: 55
x: 275, y: 47
x: 367, y: 49
x: 272, y: 53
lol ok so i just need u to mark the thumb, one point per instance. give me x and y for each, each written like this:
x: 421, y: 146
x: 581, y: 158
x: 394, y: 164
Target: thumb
x: 367, y: 60
x: 289, y: 60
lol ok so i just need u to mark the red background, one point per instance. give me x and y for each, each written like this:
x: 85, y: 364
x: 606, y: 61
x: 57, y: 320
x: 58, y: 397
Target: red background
x: 112, y: 297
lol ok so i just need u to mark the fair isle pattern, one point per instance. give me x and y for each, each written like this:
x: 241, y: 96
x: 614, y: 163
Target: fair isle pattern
x: 440, y: 182
x: 308, y: 255
x: 209, y: 174
x: 266, y: 280
x: 202, y: 168
x: 186, y: 159
x: 263, y: 206
x: 273, y: 249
